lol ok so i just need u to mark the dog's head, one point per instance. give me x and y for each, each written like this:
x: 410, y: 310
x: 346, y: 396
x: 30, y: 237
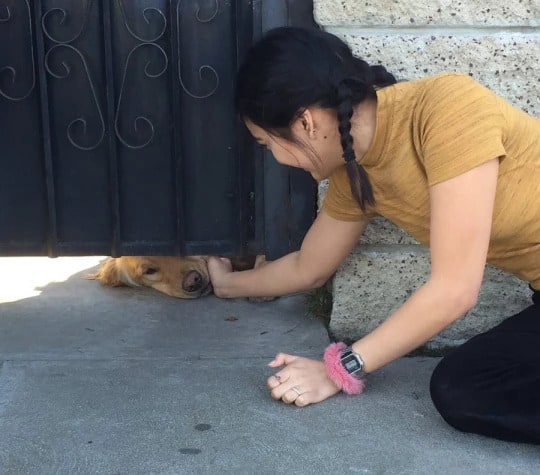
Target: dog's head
x: 180, y: 277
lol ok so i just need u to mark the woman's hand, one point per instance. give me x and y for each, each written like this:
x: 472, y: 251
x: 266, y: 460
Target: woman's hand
x: 219, y: 269
x: 301, y: 382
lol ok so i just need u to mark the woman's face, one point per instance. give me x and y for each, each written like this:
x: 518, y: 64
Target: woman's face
x: 317, y: 150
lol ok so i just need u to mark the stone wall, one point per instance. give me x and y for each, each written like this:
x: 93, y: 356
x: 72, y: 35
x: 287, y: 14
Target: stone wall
x: 495, y: 41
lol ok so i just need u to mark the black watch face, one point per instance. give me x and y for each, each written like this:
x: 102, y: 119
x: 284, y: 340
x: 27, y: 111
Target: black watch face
x: 350, y: 363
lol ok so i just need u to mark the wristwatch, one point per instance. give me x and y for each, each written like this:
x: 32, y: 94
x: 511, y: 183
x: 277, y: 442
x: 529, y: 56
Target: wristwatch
x: 352, y: 362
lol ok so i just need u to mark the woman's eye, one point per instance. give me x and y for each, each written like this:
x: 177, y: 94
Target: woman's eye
x: 150, y: 271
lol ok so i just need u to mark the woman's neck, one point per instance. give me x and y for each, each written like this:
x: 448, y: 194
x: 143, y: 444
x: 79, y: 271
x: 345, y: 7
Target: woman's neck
x: 363, y: 126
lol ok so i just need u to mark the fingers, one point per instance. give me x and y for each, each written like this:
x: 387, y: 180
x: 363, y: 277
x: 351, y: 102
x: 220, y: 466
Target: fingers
x: 275, y: 380
x: 282, y: 388
x: 219, y: 263
x: 292, y: 395
x: 282, y: 359
x: 301, y: 401
x: 301, y: 382
x: 218, y: 269
x: 277, y: 383
x: 288, y: 393
x: 212, y: 262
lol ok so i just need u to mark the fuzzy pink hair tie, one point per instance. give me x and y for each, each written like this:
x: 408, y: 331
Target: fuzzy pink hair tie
x: 337, y: 373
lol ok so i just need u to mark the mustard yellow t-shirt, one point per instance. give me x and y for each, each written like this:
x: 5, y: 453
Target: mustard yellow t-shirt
x: 433, y: 129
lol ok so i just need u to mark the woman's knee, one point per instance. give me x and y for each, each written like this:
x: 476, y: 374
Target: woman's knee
x: 439, y: 387
x: 460, y: 390
x: 452, y: 396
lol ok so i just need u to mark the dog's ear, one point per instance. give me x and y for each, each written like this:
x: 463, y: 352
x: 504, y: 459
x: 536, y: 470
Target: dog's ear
x: 260, y: 261
x: 108, y: 274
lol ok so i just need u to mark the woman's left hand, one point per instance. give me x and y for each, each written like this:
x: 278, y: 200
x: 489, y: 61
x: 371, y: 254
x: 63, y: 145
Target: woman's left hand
x: 302, y: 381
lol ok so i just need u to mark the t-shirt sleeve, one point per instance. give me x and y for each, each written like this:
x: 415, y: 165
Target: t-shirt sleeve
x: 339, y: 203
x: 462, y: 126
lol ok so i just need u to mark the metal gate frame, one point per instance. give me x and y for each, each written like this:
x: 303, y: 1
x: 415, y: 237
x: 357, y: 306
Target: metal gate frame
x: 107, y: 164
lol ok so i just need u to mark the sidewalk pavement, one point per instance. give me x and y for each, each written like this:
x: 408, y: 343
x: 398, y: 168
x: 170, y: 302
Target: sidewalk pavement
x: 128, y: 381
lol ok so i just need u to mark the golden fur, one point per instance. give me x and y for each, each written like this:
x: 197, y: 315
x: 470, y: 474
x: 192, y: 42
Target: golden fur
x: 180, y: 277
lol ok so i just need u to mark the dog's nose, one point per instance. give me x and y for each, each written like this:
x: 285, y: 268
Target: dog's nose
x: 193, y: 281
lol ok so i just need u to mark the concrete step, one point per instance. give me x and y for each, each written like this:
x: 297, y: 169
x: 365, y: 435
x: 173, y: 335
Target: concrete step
x: 376, y: 279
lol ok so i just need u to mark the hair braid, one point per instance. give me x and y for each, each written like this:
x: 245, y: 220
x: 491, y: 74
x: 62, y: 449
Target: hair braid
x: 360, y: 186
x: 291, y: 69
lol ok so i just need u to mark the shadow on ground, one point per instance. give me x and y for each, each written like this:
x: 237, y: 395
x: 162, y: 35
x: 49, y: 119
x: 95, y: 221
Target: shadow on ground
x: 96, y: 380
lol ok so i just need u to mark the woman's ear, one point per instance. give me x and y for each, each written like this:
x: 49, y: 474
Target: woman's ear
x: 306, y: 122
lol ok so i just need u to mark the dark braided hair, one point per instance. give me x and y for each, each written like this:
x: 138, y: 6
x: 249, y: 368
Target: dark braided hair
x: 291, y: 69
x: 360, y: 185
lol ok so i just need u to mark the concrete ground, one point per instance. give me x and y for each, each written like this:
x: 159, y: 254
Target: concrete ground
x: 128, y: 381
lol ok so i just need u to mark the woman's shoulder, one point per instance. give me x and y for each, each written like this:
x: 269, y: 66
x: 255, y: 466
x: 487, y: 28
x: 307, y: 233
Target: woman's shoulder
x: 448, y: 87
x: 442, y: 91
x: 439, y: 80
x: 445, y: 94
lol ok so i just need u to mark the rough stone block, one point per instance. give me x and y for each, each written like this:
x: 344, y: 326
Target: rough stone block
x: 375, y: 280
x: 421, y: 13
x: 379, y: 230
x: 509, y: 64
x: 382, y: 231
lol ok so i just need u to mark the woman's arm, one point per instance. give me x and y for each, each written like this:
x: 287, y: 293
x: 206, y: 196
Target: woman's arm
x: 325, y: 246
x: 461, y: 217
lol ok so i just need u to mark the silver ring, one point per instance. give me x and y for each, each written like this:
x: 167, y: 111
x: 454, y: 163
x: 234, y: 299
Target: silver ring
x: 296, y: 389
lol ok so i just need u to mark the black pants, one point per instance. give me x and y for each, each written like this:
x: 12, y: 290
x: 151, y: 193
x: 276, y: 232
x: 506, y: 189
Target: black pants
x: 491, y: 384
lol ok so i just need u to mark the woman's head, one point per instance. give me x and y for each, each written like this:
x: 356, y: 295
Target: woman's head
x: 291, y: 69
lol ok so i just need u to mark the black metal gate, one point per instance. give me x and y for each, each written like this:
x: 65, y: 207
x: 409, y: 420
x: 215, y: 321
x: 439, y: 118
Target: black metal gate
x: 118, y: 134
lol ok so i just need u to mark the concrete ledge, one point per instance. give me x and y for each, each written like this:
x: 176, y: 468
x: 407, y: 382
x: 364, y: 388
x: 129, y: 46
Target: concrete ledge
x: 421, y: 13
x: 375, y: 280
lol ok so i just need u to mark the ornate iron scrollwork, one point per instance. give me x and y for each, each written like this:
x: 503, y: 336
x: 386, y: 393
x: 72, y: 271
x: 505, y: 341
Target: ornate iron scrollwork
x: 63, y: 12
x: 64, y: 72
x: 204, y: 67
x: 10, y: 69
x: 152, y: 75
x: 5, y: 19
x: 206, y: 20
x: 80, y: 120
x: 150, y: 42
x: 147, y: 19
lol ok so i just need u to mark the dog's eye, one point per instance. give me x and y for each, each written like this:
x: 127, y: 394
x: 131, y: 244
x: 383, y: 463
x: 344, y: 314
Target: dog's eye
x: 150, y: 271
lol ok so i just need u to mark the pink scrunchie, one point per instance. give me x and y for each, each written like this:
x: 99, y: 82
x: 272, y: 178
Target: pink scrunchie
x: 345, y: 381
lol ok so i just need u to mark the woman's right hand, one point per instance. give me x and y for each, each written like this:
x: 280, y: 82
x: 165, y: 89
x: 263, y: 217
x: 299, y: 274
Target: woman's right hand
x: 219, y: 269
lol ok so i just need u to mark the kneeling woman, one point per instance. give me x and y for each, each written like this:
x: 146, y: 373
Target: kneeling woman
x: 442, y: 157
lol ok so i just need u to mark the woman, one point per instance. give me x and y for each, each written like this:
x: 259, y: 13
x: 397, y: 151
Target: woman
x: 442, y: 157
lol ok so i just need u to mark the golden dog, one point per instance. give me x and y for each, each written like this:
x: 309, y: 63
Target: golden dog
x: 180, y: 277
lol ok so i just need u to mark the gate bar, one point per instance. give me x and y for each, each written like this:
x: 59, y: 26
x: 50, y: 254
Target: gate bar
x: 177, y: 136
x: 113, y: 157
x: 52, y: 240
